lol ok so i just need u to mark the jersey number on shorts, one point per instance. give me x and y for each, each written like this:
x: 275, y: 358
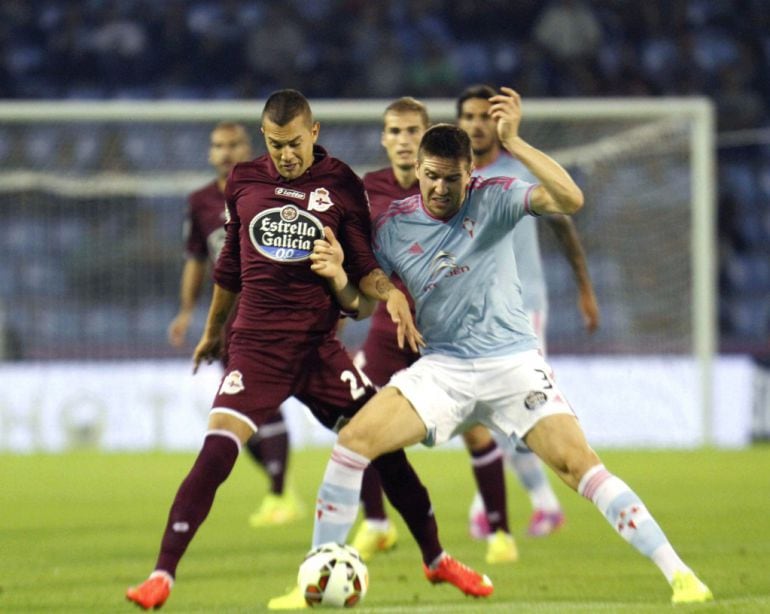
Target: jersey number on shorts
x: 357, y: 388
x: 546, y: 379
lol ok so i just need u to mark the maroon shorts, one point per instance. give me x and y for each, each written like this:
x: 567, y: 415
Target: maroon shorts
x: 266, y: 368
x: 382, y: 356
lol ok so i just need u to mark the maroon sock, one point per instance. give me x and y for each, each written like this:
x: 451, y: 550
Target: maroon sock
x: 410, y: 498
x: 270, y: 449
x: 195, y: 497
x: 371, y: 495
x: 489, y: 472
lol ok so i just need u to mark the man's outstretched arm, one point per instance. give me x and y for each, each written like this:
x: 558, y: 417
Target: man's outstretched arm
x: 327, y: 259
x: 557, y: 192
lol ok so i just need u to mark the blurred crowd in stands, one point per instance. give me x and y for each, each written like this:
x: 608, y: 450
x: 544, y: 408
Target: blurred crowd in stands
x: 237, y: 49
x: 362, y: 48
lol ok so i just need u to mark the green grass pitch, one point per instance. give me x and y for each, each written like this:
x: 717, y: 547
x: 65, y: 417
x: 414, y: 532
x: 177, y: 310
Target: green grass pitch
x: 76, y: 529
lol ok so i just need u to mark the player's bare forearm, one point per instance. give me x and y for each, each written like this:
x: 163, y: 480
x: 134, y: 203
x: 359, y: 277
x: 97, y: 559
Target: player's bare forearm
x: 193, y: 274
x: 565, y: 231
x: 376, y: 285
x: 401, y: 314
x: 210, y: 345
x: 189, y: 291
x: 351, y: 299
x: 567, y: 234
x: 557, y: 193
x: 222, y: 302
x: 326, y: 261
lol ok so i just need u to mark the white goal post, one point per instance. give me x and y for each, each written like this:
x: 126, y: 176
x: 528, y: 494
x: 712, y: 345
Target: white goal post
x: 640, y: 159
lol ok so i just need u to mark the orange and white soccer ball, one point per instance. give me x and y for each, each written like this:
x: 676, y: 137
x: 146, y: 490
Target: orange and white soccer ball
x: 333, y: 575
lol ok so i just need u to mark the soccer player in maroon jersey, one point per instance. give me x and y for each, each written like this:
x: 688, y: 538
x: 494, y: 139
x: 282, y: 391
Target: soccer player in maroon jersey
x: 283, y: 338
x: 204, y: 236
x: 404, y: 122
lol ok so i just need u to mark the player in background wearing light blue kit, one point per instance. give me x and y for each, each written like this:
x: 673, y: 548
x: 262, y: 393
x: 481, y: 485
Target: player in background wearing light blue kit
x: 451, y: 246
x: 491, y: 160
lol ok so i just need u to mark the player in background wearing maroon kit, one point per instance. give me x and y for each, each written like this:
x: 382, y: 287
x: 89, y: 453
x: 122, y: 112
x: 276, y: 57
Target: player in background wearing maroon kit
x: 204, y: 236
x: 283, y: 338
x: 404, y: 122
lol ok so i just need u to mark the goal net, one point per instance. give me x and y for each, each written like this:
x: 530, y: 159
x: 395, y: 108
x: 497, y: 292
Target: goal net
x: 92, y: 199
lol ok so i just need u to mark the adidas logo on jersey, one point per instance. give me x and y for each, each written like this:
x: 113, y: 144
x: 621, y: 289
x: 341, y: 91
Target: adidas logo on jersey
x: 416, y: 248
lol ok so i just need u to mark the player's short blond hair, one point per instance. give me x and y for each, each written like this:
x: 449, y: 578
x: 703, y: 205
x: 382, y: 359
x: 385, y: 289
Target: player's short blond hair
x: 407, y: 104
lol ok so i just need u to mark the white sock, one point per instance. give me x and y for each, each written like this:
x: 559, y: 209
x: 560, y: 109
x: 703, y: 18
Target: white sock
x: 434, y: 563
x: 380, y: 525
x: 164, y: 574
x: 668, y: 561
x: 338, y: 496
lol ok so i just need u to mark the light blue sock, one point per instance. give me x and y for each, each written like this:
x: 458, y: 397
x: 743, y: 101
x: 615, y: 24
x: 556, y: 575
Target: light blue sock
x: 625, y: 511
x: 530, y: 471
x: 338, y: 496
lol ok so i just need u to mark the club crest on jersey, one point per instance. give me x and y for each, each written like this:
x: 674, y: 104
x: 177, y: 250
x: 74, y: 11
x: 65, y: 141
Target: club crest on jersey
x: 285, y: 234
x: 319, y: 200
x: 469, y: 225
x: 232, y: 383
x: 288, y: 193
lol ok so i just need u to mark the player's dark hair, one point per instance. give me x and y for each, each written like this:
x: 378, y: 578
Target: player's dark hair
x: 445, y: 141
x: 283, y: 106
x: 407, y: 104
x: 474, y: 91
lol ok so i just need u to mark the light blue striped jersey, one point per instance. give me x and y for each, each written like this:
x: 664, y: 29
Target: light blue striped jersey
x: 461, y: 272
x: 525, y: 243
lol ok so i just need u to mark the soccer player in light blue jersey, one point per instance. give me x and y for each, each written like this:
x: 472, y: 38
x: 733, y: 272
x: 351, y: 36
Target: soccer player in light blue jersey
x: 451, y: 246
x: 405, y: 120
x: 491, y: 160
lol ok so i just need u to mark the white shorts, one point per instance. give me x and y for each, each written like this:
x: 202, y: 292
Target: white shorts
x: 508, y: 394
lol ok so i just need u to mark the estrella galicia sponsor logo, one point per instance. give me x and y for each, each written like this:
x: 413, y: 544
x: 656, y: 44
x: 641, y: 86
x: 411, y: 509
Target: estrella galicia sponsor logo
x: 535, y: 399
x: 285, y: 234
x: 289, y: 193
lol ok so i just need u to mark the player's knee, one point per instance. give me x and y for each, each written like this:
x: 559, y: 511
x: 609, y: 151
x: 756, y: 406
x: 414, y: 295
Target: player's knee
x: 354, y: 438
x: 574, y: 463
x: 477, y: 437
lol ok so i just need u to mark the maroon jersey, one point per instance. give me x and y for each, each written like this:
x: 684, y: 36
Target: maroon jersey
x: 381, y: 353
x: 204, y: 231
x: 383, y: 189
x: 271, y: 226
